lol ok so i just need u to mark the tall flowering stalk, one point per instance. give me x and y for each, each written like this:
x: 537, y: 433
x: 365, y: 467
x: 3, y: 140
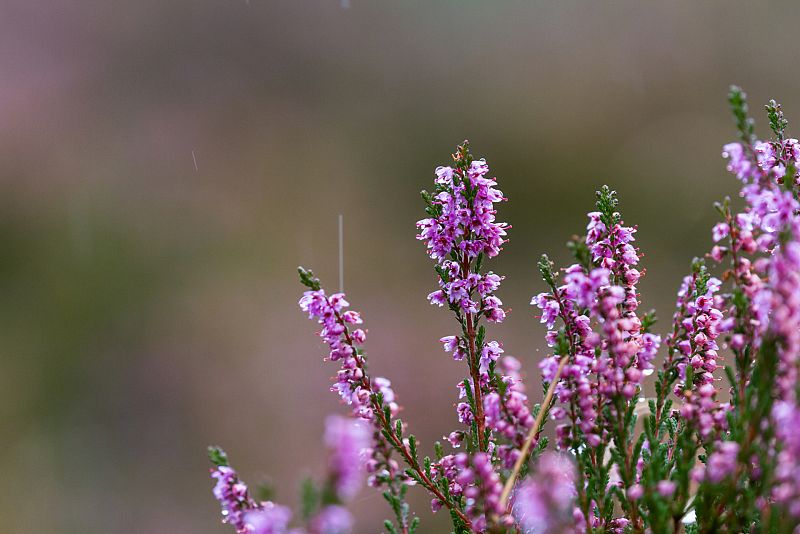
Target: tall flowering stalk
x: 709, y: 452
x: 608, y: 351
x: 461, y: 231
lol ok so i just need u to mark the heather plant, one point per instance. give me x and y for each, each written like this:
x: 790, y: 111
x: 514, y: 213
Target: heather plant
x: 695, y: 429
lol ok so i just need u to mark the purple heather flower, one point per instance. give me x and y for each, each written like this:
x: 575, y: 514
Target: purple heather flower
x: 448, y: 469
x: 490, y: 353
x: 234, y: 498
x: 738, y: 163
x: 270, y: 519
x: 786, y: 417
x: 332, y: 519
x: 463, y: 228
x: 474, y: 478
x: 782, y: 300
x: 464, y: 412
x: 626, y: 353
x: 772, y: 284
x: 455, y: 345
x: 330, y: 313
x: 352, y: 384
x: 384, y: 387
x: 576, y: 385
x: 773, y: 157
x: 619, y: 525
x: 720, y: 231
x: 549, y: 307
x: 464, y: 225
x: 460, y: 233
x: 635, y: 492
x: 722, y: 462
x: 509, y: 417
x: 697, y: 325
x: 346, y: 438
x: 543, y: 503
x: 666, y: 488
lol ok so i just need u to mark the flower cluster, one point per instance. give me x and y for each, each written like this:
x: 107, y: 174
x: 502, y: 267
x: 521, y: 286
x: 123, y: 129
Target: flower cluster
x: 772, y: 159
x: 463, y: 221
x: 508, y: 414
x: 721, y: 463
x: 607, y: 351
x: 271, y: 518
x: 347, y: 440
x: 239, y: 509
x: 786, y: 415
x: 577, y: 342
x: 698, y: 325
x: 493, y: 404
x: 783, y: 292
x: 352, y: 384
x: 470, y: 293
x: 611, y: 246
x: 461, y: 229
x: 544, y: 504
x: 625, y: 464
x: 234, y: 497
x: 473, y: 479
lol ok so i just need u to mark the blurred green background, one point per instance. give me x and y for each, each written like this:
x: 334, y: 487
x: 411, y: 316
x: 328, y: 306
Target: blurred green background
x: 149, y: 307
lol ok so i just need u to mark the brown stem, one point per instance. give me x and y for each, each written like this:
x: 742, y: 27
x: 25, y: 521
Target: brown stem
x: 474, y: 370
x: 474, y: 367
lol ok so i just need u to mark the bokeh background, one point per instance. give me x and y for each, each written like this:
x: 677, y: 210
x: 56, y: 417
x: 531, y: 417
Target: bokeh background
x: 148, y: 296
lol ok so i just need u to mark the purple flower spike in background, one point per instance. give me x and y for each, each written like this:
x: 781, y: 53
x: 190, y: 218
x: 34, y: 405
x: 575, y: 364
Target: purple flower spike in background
x: 545, y: 504
x: 347, y: 440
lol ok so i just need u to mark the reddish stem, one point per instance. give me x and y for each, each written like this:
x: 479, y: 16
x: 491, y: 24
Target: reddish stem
x: 395, y: 440
x: 474, y: 367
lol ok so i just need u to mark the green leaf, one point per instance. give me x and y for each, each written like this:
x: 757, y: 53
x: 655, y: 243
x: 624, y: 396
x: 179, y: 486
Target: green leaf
x: 607, y: 206
x: 437, y: 448
x: 648, y: 320
x: 217, y: 456
x: 478, y: 263
x: 308, y: 279
x: 777, y: 122
x: 413, y: 474
x: 580, y: 251
x: 309, y: 498
x: 481, y: 336
x: 546, y: 270
x: 744, y: 124
x: 264, y: 492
